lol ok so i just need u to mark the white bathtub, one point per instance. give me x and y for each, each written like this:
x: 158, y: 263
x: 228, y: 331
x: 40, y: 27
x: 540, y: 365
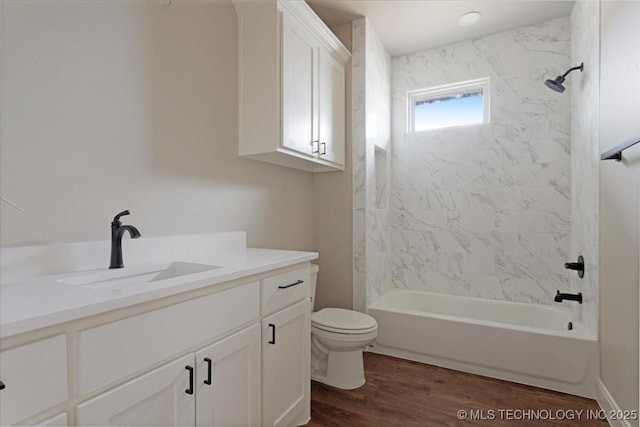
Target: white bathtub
x: 524, y: 343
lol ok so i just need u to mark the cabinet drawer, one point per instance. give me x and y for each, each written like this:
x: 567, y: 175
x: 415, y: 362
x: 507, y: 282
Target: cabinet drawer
x: 35, y: 379
x: 115, y: 350
x: 285, y: 289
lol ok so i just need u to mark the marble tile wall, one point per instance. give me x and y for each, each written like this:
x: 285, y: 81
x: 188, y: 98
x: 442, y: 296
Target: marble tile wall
x: 585, y: 156
x: 378, y: 138
x: 485, y: 210
x: 371, y: 105
x: 359, y: 161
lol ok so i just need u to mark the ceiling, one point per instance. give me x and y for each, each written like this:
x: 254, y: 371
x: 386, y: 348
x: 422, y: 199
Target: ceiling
x: 408, y: 26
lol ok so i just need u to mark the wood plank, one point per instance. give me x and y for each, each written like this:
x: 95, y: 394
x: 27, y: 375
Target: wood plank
x: 404, y: 393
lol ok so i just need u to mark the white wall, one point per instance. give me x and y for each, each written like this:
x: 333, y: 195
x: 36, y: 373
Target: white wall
x: 484, y: 210
x: 585, y: 155
x: 333, y: 204
x: 129, y: 105
x: 619, y: 202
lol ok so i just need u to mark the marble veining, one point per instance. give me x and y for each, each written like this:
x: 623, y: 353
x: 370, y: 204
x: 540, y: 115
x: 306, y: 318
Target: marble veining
x: 484, y: 210
x: 371, y: 92
x: 585, y: 160
x: 358, y: 162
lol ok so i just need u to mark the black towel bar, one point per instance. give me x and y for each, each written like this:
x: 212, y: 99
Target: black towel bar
x: 616, y: 152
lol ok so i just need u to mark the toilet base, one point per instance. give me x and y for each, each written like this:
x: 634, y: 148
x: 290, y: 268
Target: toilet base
x: 344, y: 369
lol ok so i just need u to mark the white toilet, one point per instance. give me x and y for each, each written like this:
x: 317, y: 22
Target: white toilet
x: 338, y: 337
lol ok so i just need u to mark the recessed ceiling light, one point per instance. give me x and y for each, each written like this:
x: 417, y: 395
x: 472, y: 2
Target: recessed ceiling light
x: 469, y: 18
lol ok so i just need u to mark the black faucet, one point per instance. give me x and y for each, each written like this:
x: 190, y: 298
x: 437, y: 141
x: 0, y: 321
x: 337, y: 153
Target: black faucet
x: 571, y: 297
x: 117, y: 231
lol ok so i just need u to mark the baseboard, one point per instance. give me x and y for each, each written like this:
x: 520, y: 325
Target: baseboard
x: 609, y: 405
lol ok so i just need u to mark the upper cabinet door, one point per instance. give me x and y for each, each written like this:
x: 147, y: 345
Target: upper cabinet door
x: 331, y: 108
x: 229, y: 381
x: 158, y: 398
x: 299, y: 87
x: 279, y: 111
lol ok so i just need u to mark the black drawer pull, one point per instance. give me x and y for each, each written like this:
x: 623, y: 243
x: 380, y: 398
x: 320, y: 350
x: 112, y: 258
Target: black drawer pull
x: 273, y: 333
x: 208, y: 380
x: 324, y: 148
x: 2, y: 386
x: 293, y: 284
x: 190, y: 389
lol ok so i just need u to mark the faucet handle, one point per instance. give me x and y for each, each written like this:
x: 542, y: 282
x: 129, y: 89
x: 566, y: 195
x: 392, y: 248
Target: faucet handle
x: 578, y: 266
x: 116, y: 219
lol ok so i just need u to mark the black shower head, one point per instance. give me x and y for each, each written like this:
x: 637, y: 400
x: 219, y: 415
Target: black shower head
x: 556, y: 84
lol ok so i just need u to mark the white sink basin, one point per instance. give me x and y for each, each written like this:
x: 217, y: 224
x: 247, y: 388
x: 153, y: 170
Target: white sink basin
x: 178, y: 269
x: 116, y: 278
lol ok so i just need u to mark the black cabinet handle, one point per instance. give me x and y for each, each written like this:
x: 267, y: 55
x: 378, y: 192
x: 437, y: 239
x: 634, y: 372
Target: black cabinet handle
x: 273, y: 333
x: 2, y: 386
x: 324, y: 148
x: 315, y: 151
x: 293, y: 284
x: 190, y: 389
x: 208, y: 380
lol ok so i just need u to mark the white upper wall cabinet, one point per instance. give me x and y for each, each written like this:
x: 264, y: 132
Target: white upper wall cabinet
x: 331, y: 108
x: 292, y: 86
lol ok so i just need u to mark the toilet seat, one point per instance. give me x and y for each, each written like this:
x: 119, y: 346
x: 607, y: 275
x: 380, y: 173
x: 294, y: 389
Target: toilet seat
x: 341, y: 321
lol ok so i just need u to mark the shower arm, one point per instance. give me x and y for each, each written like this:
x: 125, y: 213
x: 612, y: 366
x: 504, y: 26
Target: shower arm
x: 579, y: 67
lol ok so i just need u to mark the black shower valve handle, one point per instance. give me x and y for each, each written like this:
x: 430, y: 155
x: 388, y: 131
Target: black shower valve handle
x: 577, y: 266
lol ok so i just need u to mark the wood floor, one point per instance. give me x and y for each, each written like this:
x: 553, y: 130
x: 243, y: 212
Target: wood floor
x: 403, y: 393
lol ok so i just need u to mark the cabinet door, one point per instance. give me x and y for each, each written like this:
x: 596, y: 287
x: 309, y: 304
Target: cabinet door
x: 34, y: 377
x: 228, y: 381
x: 59, y: 420
x: 286, y: 356
x: 299, y: 82
x: 158, y: 398
x: 331, y: 116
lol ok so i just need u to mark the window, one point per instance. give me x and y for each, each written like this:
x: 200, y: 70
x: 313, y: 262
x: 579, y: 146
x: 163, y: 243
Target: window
x: 456, y: 104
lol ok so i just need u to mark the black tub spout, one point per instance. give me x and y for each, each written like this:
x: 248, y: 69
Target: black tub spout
x: 571, y: 297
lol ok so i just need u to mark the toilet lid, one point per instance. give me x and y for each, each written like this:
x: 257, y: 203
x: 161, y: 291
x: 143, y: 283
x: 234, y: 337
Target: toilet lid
x: 338, y: 318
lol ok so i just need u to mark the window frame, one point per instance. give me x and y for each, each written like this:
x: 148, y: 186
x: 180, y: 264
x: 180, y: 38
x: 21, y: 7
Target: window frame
x: 446, y: 90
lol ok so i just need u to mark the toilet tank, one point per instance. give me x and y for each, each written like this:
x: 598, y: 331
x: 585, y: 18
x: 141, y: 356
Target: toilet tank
x: 313, y: 280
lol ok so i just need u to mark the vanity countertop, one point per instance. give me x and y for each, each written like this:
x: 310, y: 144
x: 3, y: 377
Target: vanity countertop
x: 44, y: 301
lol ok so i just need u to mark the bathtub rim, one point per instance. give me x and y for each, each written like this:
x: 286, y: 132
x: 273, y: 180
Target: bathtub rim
x: 579, y: 332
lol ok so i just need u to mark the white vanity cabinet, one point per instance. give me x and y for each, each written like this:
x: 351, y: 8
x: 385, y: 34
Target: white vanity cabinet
x: 118, y: 349
x: 170, y: 394
x: 286, y: 348
x: 228, y: 381
x: 60, y: 420
x: 286, y: 366
x: 292, y: 86
x: 237, y: 354
x: 158, y: 398
x: 216, y: 386
x: 34, y: 378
